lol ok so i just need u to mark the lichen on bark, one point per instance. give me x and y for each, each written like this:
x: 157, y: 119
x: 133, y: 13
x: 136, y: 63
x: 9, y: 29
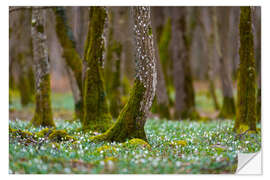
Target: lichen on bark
x: 246, y: 92
x: 96, y: 111
x: 130, y: 122
x: 43, y: 112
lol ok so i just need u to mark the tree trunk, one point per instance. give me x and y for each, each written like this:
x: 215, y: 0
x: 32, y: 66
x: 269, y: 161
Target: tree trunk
x: 184, y: 91
x: 256, y: 22
x: 113, y: 60
x: 43, y: 112
x: 21, y: 50
x: 130, y: 122
x: 228, y: 107
x: 246, y: 92
x: 96, y: 112
x: 72, y: 58
x: 162, y: 99
x: 206, y: 25
x: 165, y: 56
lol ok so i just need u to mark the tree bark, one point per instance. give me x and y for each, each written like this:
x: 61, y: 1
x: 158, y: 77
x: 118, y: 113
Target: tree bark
x: 113, y: 62
x: 130, y: 122
x: 205, y: 21
x: 246, y: 92
x: 162, y: 99
x: 96, y: 111
x: 43, y: 112
x: 21, y: 52
x: 72, y: 58
x: 181, y: 42
x: 228, y: 107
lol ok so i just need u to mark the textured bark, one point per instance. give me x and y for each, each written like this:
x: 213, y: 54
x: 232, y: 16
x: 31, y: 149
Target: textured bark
x: 181, y: 42
x: 72, y: 58
x: 162, y: 99
x: 206, y: 25
x: 130, y: 122
x: 228, y: 106
x: 113, y: 61
x: 21, y: 52
x: 246, y: 92
x: 43, y: 111
x: 256, y: 22
x: 96, y: 110
x: 166, y: 57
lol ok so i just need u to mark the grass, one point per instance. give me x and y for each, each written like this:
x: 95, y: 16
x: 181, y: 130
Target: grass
x: 209, y: 147
x: 175, y: 146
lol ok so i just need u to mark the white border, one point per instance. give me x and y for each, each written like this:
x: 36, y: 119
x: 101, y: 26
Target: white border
x: 4, y: 80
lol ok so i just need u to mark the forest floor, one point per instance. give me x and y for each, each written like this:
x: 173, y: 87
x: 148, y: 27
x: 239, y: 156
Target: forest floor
x: 179, y: 147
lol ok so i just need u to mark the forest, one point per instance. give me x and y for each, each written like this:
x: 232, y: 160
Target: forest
x: 133, y: 90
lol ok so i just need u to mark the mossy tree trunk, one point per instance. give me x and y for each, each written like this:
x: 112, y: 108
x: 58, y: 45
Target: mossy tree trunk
x: 43, y: 112
x: 162, y: 99
x: 72, y: 58
x: 96, y: 111
x: 228, y: 106
x: 165, y: 56
x: 25, y: 85
x: 130, y: 122
x: 21, y: 52
x: 246, y: 92
x: 181, y: 42
x: 256, y: 22
x: 206, y: 25
x: 113, y: 62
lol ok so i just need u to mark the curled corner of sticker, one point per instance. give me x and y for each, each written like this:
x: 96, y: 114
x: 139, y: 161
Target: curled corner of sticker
x: 249, y: 163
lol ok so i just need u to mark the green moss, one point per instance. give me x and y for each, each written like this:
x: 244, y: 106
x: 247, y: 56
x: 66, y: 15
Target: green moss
x: 44, y: 132
x: 96, y: 110
x: 135, y: 142
x: 43, y: 112
x: 60, y: 135
x: 228, y: 109
x: 246, y: 92
x: 125, y: 126
x: 19, y: 133
x: 106, y: 149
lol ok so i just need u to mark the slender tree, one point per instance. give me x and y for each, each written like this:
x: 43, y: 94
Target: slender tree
x: 256, y: 22
x: 162, y: 99
x: 246, y: 92
x: 228, y: 106
x: 181, y: 43
x: 72, y: 58
x: 43, y: 112
x: 96, y: 111
x: 113, y: 61
x: 130, y: 122
x: 205, y: 22
x: 21, y: 53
